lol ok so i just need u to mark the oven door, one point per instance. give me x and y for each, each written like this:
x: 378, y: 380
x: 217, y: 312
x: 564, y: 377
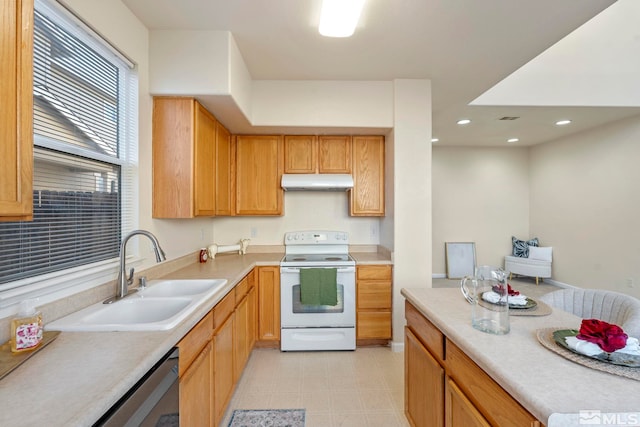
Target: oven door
x: 294, y: 314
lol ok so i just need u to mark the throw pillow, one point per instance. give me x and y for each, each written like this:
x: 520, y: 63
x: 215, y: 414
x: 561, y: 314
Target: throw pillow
x: 521, y: 247
x: 542, y: 254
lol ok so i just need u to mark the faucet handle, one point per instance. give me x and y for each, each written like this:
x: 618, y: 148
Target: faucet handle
x: 142, y: 282
x: 130, y: 279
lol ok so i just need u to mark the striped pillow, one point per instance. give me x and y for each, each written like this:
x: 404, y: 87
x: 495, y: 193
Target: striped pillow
x: 521, y: 247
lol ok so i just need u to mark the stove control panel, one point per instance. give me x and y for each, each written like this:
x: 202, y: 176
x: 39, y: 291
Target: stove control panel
x: 316, y: 238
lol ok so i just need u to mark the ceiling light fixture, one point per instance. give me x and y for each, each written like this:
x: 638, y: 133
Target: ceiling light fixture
x: 513, y: 140
x: 435, y: 139
x: 563, y: 122
x: 339, y: 18
x: 464, y: 121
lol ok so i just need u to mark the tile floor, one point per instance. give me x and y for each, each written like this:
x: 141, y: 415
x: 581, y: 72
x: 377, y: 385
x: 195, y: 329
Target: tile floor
x: 347, y: 389
x: 343, y: 388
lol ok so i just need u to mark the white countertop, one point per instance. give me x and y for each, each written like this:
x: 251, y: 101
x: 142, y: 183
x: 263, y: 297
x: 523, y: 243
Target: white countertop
x: 549, y: 386
x: 75, y: 379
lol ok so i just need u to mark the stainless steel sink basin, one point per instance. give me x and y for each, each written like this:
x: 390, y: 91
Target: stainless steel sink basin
x: 161, y: 306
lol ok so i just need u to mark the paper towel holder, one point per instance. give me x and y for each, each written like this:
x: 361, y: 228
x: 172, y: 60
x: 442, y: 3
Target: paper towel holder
x: 241, y: 247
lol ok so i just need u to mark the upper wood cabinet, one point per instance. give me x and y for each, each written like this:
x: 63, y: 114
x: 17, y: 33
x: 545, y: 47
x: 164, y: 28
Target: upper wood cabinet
x: 334, y: 154
x: 183, y: 170
x: 367, y: 195
x: 259, y: 163
x: 223, y: 174
x: 300, y: 154
x: 317, y: 154
x: 16, y: 106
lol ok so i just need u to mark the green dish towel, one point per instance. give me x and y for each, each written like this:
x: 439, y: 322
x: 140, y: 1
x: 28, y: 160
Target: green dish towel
x: 318, y: 286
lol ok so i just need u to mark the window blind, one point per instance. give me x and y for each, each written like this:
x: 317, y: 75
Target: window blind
x: 85, y: 166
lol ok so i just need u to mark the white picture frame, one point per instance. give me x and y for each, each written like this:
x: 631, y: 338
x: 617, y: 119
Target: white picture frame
x: 460, y: 259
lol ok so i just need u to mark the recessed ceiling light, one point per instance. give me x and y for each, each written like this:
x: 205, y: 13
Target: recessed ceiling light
x: 563, y: 122
x: 435, y: 139
x: 464, y: 121
x: 513, y: 140
x: 338, y: 18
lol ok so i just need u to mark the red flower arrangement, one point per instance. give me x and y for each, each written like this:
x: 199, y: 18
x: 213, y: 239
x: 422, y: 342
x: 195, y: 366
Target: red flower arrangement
x: 499, y: 289
x: 608, y: 336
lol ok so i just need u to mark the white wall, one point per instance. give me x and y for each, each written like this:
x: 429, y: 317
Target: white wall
x: 480, y: 195
x: 189, y: 62
x: 118, y: 25
x: 303, y: 210
x: 585, y: 200
x: 411, y: 193
x: 322, y: 103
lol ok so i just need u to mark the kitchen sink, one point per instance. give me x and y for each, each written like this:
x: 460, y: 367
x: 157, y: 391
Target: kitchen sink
x: 162, y: 305
x: 179, y: 288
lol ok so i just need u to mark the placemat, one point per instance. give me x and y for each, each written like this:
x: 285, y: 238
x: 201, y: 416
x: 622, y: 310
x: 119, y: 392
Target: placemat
x: 545, y: 336
x: 541, y: 309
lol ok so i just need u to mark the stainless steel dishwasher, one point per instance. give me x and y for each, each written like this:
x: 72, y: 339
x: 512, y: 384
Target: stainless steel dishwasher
x: 153, y: 401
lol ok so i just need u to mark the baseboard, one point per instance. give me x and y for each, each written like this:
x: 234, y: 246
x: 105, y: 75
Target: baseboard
x: 397, y: 347
x: 560, y: 284
x: 438, y: 276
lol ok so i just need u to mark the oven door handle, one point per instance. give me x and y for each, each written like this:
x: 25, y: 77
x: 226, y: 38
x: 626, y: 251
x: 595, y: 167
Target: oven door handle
x: 296, y: 270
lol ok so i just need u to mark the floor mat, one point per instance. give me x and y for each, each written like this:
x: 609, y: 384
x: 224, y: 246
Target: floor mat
x: 168, y: 420
x: 267, y: 418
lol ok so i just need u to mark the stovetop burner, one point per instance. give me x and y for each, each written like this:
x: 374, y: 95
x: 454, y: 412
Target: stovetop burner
x: 317, y: 248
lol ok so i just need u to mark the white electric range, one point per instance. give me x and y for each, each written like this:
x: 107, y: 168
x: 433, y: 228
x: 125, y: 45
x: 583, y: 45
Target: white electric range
x: 317, y: 327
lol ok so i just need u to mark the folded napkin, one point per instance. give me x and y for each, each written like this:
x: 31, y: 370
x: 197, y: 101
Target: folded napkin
x: 518, y: 299
x: 591, y: 349
x: 494, y: 298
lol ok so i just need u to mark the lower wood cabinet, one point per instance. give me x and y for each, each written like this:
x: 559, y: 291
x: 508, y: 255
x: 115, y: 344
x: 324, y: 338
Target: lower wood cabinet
x: 196, y: 393
x: 424, y: 384
x: 223, y: 368
x: 213, y: 355
x: 244, y: 325
x: 268, y: 282
x: 459, y: 409
x: 195, y: 371
x: 374, y: 290
x: 443, y: 386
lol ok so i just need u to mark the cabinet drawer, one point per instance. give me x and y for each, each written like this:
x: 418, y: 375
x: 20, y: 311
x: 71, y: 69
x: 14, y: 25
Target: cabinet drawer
x: 430, y: 336
x: 495, y: 404
x: 241, y: 289
x: 374, y: 272
x: 223, y: 309
x: 374, y: 295
x: 374, y: 325
x: 192, y: 343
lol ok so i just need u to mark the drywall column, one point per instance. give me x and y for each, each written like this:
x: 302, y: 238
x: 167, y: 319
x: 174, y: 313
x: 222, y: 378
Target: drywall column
x: 411, y: 193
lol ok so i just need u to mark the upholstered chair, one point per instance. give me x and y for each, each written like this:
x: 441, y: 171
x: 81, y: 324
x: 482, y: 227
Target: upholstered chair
x: 612, y: 307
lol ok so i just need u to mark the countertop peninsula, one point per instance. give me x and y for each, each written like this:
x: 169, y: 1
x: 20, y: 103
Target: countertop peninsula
x: 549, y: 386
x: 80, y: 375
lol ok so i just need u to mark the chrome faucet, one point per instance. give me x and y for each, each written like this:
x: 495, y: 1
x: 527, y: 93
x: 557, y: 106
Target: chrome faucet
x: 123, y: 281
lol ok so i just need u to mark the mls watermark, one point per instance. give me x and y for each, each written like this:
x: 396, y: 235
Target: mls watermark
x: 599, y: 418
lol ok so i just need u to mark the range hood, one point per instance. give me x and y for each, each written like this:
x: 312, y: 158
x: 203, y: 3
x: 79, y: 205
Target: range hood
x: 317, y: 182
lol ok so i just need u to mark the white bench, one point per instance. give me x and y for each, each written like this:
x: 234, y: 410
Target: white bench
x: 527, y: 267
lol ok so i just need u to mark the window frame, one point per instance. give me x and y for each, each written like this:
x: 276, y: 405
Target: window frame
x: 52, y: 286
